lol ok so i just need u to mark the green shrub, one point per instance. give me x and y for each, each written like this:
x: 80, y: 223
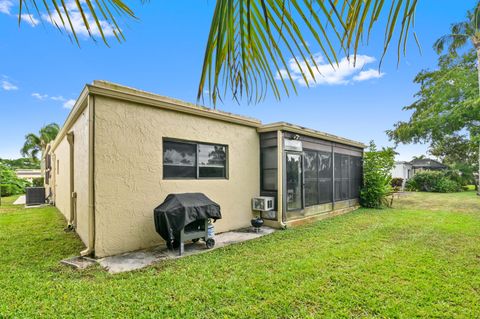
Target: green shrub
x: 411, y: 185
x: 11, y: 189
x: 434, y: 181
x: 446, y: 185
x: 10, y: 184
x: 377, y: 166
x: 38, y: 182
x: 5, y: 190
x: 397, y: 182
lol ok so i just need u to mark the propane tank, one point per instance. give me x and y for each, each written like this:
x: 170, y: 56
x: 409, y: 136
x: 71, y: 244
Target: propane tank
x: 210, y: 231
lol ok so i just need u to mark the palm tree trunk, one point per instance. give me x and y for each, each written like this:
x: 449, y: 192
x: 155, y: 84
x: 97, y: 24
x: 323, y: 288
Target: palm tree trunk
x: 477, y: 47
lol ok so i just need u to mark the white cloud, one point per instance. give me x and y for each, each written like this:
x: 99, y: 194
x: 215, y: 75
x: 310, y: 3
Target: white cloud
x: 69, y: 104
x: 40, y: 96
x: 368, y: 74
x: 58, y: 98
x: 66, y: 103
x: 8, y: 86
x: 326, y: 74
x: 30, y: 19
x: 6, y: 6
x: 77, y: 22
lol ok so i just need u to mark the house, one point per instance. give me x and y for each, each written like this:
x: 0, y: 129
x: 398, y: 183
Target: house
x: 421, y: 164
x: 402, y: 170
x: 407, y: 170
x: 28, y: 174
x: 121, y: 151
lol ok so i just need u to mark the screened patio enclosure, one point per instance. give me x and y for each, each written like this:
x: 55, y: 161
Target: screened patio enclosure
x: 316, y: 176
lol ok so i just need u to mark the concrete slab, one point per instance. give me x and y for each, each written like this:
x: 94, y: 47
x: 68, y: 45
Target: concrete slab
x: 79, y: 262
x: 143, y: 258
x: 133, y: 260
x: 21, y: 200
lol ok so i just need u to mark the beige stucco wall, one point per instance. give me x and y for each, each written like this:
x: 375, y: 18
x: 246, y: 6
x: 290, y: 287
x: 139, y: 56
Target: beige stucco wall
x: 61, y: 172
x: 128, y: 171
x: 80, y: 131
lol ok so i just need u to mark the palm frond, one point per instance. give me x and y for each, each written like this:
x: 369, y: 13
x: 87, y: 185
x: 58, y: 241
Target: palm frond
x: 451, y: 42
x: 254, y: 44
x: 96, y: 16
x: 460, y: 34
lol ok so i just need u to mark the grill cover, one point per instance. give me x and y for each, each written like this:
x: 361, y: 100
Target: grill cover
x: 179, y: 210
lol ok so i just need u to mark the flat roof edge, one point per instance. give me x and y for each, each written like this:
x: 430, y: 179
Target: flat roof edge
x: 72, y: 117
x: 284, y: 126
x: 116, y: 91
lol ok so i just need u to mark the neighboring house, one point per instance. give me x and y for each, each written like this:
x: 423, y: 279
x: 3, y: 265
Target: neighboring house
x: 422, y: 164
x: 402, y: 170
x: 121, y: 151
x: 28, y: 174
x: 407, y: 170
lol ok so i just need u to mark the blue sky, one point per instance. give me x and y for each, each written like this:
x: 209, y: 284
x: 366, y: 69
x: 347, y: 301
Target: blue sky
x: 42, y: 72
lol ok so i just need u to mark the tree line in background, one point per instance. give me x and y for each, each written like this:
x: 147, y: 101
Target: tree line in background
x: 33, y: 148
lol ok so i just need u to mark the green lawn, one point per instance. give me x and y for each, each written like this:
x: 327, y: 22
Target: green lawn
x: 419, y: 259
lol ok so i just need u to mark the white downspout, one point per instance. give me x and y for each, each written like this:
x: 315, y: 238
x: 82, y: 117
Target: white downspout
x: 280, y: 180
x: 70, y: 139
x: 91, y: 171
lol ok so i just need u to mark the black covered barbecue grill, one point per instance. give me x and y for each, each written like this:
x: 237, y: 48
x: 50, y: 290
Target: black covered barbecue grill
x: 186, y: 216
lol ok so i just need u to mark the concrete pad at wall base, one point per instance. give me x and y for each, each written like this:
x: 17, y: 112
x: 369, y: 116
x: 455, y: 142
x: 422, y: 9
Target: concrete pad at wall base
x: 344, y: 207
x: 143, y: 258
x: 313, y: 218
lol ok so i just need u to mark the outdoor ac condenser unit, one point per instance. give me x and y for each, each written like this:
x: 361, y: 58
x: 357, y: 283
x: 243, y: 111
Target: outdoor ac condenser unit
x: 262, y: 203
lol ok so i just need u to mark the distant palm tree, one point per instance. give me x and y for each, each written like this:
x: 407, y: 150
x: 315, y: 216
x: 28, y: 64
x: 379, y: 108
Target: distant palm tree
x: 420, y: 157
x: 35, y: 144
x: 253, y: 45
x: 462, y: 34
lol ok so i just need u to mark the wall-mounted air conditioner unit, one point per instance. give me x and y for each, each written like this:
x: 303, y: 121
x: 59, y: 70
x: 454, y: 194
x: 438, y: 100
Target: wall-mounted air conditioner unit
x: 262, y: 203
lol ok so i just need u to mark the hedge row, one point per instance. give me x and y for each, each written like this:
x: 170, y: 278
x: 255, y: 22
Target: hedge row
x: 433, y: 181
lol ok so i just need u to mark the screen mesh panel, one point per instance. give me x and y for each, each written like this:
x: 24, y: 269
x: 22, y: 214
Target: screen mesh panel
x: 269, y: 168
x: 318, y: 177
x: 310, y: 163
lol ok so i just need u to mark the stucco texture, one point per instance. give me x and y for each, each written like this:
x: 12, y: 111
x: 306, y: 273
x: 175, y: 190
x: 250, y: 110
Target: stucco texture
x: 61, y: 171
x: 129, y: 180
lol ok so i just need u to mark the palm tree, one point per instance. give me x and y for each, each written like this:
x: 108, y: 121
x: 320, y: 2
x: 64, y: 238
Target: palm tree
x: 462, y: 34
x: 251, y: 42
x: 35, y: 144
x: 420, y: 157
